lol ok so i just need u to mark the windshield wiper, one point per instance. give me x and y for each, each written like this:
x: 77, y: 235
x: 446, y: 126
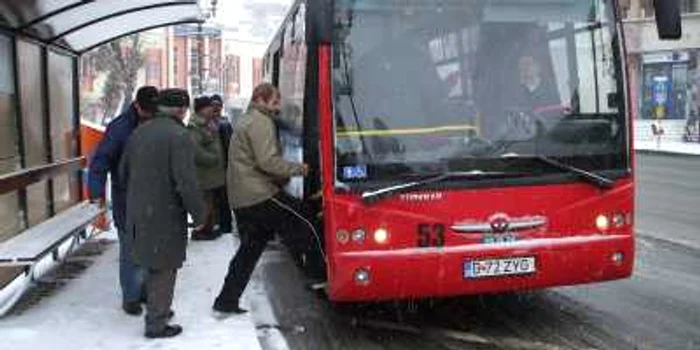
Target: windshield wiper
x: 375, y: 195
x: 593, y: 178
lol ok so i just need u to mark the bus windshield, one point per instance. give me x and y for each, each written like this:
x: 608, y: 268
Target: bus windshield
x: 429, y: 86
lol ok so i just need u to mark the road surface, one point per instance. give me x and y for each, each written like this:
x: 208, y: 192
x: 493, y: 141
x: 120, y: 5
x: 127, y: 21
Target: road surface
x: 658, y: 308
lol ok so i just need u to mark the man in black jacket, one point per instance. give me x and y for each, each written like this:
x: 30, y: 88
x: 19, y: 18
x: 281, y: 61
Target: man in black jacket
x: 225, y: 133
x: 159, y: 170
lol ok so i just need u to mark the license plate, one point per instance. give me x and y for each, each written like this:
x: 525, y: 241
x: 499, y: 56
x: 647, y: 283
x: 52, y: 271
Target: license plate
x: 499, y: 267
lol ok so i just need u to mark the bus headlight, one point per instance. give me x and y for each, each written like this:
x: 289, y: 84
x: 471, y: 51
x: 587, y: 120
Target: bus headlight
x: 618, y: 220
x: 358, y: 236
x: 618, y: 258
x: 602, y: 223
x: 343, y: 236
x: 381, y: 236
x: 362, y: 276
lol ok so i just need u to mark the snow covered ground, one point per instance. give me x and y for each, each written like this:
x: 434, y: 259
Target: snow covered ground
x: 86, y: 313
x: 669, y: 147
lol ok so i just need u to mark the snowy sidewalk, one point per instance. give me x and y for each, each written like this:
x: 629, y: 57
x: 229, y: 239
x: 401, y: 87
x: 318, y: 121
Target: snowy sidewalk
x: 86, y: 314
x: 668, y: 147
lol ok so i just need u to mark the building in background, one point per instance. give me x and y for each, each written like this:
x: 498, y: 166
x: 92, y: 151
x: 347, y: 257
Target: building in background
x: 197, y: 64
x: 243, y: 63
x: 204, y: 60
x: 665, y: 73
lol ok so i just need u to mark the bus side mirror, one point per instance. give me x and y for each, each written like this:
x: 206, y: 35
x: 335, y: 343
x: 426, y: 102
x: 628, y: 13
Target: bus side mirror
x: 319, y: 21
x: 668, y: 19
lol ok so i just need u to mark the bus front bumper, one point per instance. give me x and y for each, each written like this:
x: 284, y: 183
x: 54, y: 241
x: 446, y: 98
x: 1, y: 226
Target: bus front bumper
x: 440, y: 272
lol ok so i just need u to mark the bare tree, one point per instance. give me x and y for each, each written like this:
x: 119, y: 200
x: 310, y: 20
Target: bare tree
x: 121, y: 60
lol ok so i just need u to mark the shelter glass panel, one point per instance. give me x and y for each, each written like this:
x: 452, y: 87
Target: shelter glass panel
x: 10, y: 213
x: 33, y: 125
x: 64, y: 142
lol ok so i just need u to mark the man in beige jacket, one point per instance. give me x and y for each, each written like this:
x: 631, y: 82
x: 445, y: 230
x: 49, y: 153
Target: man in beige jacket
x: 255, y: 176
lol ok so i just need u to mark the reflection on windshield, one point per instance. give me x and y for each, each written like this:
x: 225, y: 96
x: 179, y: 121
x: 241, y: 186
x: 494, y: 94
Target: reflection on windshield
x: 418, y: 86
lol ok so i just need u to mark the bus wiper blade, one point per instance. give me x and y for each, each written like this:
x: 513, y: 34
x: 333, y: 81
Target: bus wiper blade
x: 375, y: 195
x: 593, y: 178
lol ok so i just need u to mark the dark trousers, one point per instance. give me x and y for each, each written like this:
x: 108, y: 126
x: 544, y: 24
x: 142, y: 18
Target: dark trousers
x: 160, y: 286
x: 224, y: 210
x: 256, y: 226
x: 211, y: 213
x: 130, y: 274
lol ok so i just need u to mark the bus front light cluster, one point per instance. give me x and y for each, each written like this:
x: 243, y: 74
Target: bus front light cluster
x: 380, y: 236
x: 617, y: 220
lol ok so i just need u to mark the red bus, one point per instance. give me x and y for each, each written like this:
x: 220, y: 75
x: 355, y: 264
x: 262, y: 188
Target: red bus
x: 461, y: 147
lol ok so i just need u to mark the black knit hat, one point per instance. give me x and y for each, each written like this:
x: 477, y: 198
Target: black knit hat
x: 216, y: 99
x: 147, y: 98
x: 202, y: 102
x: 174, y: 98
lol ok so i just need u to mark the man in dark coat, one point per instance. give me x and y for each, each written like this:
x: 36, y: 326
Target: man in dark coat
x: 159, y: 170
x: 225, y: 133
x: 106, y: 161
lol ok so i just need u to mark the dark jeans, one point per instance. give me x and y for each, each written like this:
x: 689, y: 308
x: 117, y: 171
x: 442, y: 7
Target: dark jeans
x: 130, y: 274
x: 256, y: 226
x: 225, y: 219
x: 160, y: 286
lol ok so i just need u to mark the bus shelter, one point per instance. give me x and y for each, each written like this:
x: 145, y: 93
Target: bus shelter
x: 41, y: 42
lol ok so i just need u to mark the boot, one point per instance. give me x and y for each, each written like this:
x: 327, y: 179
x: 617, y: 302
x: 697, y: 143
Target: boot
x: 168, y: 332
x: 132, y: 308
x: 227, y: 308
x: 203, y: 235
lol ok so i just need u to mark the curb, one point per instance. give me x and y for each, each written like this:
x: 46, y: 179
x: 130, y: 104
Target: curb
x: 667, y: 153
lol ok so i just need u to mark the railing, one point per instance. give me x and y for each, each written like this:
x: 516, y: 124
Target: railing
x: 21, y: 179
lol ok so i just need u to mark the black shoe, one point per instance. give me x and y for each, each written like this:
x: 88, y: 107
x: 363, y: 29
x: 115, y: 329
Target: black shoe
x: 229, y: 308
x: 132, y: 308
x: 168, y: 332
x: 201, y: 236
x: 171, y: 314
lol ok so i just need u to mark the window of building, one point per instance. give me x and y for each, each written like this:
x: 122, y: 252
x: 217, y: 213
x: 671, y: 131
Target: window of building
x: 176, y: 67
x: 233, y: 71
x: 153, y: 71
x: 667, y: 85
x: 647, y: 6
x: 257, y: 71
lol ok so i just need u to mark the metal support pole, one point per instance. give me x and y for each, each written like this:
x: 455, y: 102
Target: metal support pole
x: 200, y: 61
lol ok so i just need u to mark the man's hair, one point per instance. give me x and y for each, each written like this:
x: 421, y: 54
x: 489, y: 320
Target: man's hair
x: 264, y: 92
x: 147, y: 98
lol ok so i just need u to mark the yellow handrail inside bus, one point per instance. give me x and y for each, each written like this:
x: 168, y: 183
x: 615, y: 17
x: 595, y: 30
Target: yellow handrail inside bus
x: 410, y: 131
